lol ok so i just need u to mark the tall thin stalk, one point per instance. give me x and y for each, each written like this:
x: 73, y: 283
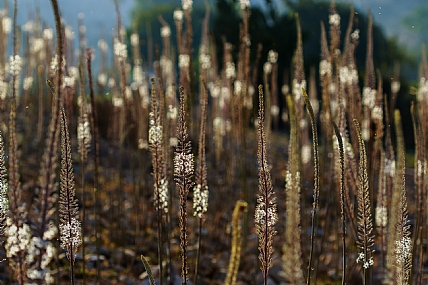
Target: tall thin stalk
x: 266, y: 215
x: 342, y: 199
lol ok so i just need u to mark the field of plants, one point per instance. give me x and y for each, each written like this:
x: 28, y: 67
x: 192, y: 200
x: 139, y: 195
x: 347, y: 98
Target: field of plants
x: 211, y: 164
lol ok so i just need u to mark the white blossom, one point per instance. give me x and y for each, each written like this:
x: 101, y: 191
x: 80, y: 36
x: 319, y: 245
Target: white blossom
x: 306, y: 153
x: 70, y: 236
x: 15, y: 65
x: 165, y: 31
x: 178, y: 15
x: 135, y: 39
x: 334, y: 19
x: 395, y: 86
x: 102, y: 79
x: 355, y: 35
x: 205, y: 61
x: 7, y: 25
x: 48, y: 34
x: 200, y: 200
x: 369, y: 97
x: 28, y: 82
x: 187, y: 5
x: 120, y: 49
x: 102, y: 44
x: 272, y: 56
x: 267, y: 67
x: 325, y: 67
x: 230, y: 70
x: 183, y: 60
x: 183, y: 164
x: 403, y: 249
x: 381, y: 216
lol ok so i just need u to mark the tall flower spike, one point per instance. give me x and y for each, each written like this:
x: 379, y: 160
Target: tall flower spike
x: 266, y: 215
x: 4, y: 201
x: 70, y: 228
x: 365, y: 240
x: 183, y: 173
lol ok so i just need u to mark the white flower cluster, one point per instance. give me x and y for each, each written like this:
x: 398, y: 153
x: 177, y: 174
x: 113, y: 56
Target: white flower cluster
x: 274, y: 110
x: 237, y: 87
x: 334, y: 19
x: 183, y: 60
x: 163, y: 195
x: 381, y: 216
x: 18, y: 238
x: 205, y: 61
x: 369, y: 97
x: 366, y: 263
x: 178, y: 15
x: 306, y: 153
x: 120, y: 49
x: 135, y: 39
x: 348, y: 75
x: 200, y: 200
x: 3, y: 89
x: 267, y: 67
x: 4, y: 202
x: 117, y: 101
x: 297, y: 89
x: 69, y: 81
x: 48, y: 34
x: 15, y: 65
x: 102, y: 79
x: 271, y: 217
x: 84, y: 130
x: 395, y: 86
x: 172, y: 112
x: 377, y: 113
x: 36, y: 44
x: 54, y: 63
x: 230, y: 70
x: 325, y: 67
x: 71, y: 236
x: 244, y: 4
x: 7, y: 25
x: 155, y: 134
x: 183, y: 164
x: 28, y: 82
x: 403, y: 249
x: 165, y: 31
x: 35, y: 248
x: 390, y: 167
x: 272, y: 56
x: 187, y: 5
x: 355, y: 35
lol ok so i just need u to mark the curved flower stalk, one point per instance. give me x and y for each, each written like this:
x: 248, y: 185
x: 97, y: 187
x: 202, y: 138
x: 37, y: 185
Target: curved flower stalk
x: 183, y: 174
x: 235, y: 256
x: 365, y: 240
x: 70, y: 228
x: 266, y: 215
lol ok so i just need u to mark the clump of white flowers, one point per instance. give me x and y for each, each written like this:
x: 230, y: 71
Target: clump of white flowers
x: 200, y: 200
x: 120, y: 49
x: 15, y: 65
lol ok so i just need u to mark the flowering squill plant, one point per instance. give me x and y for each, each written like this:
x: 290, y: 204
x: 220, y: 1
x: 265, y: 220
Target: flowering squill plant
x: 266, y: 215
x: 183, y: 174
x: 70, y: 228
